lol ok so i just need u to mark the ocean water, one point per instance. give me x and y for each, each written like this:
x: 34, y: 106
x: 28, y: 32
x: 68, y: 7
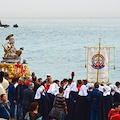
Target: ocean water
x: 56, y: 46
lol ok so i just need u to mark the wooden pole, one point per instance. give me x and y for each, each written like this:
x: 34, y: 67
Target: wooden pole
x: 98, y: 60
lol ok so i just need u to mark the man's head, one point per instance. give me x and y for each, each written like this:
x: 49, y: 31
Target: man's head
x: 62, y: 83
x: 6, y: 75
x: 84, y: 82
x: 14, y: 80
x: 3, y: 97
x: 70, y: 81
x: 116, y: 106
x: 96, y: 85
x: 61, y: 90
x: 21, y: 81
x: 39, y: 81
x: 29, y: 79
x: 117, y: 84
x: 65, y: 80
x: 31, y: 86
x: 57, y: 82
x: 48, y: 76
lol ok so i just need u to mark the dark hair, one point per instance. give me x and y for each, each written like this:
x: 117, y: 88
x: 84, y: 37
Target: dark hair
x: 61, y: 89
x: 79, y: 81
x: 2, y: 95
x: 70, y: 81
x: 56, y: 81
x: 101, y: 84
x: 39, y: 79
x: 43, y: 83
x: 33, y: 106
x: 96, y: 85
x: 6, y: 75
x: 14, y: 80
x: 65, y: 80
x: 33, y: 74
x: 85, y: 82
x: 116, y: 104
x: 61, y: 82
x: 117, y: 83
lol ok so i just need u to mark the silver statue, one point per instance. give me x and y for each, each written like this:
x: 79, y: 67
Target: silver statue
x: 11, y: 54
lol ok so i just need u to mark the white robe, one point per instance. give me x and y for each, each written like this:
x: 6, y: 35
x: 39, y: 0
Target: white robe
x: 5, y: 83
x: 67, y: 92
x: 73, y: 87
x: 83, y: 91
x: 39, y: 92
x: 107, y: 90
x: 54, y: 89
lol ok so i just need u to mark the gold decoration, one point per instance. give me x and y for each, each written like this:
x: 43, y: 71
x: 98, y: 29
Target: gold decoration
x: 26, y: 72
x: 10, y: 70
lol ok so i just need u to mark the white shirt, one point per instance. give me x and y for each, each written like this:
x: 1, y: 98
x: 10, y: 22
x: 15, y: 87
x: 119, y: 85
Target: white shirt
x: 54, y: 89
x: 66, y: 92
x: 83, y: 91
x: 2, y: 90
x: 100, y: 88
x: 73, y: 87
x: 107, y: 91
x: 5, y: 83
x: 39, y: 91
x: 16, y: 84
x: 113, y: 87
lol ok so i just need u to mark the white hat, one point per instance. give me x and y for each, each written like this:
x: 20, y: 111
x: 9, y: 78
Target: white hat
x: 22, y: 79
x: 48, y: 74
x: 107, y: 90
x: 89, y: 85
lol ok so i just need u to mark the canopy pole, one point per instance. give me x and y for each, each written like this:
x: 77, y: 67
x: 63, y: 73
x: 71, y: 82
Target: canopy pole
x: 98, y: 60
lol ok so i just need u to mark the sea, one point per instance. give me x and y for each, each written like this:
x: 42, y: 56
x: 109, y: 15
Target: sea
x: 56, y: 46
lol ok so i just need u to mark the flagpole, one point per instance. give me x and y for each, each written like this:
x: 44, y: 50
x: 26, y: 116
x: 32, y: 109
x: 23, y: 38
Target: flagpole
x: 98, y: 59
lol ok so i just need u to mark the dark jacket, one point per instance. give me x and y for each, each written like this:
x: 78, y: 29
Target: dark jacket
x: 11, y: 93
x: 27, y: 98
x: 36, y: 86
x: 4, y: 111
x: 94, y: 97
x: 18, y: 92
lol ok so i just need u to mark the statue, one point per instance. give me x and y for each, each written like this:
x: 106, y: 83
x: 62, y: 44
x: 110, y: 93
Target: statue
x: 11, y: 54
x: 10, y: 70
x: 26, y: 72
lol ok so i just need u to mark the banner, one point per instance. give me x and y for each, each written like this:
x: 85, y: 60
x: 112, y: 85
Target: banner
x: 93, y: 64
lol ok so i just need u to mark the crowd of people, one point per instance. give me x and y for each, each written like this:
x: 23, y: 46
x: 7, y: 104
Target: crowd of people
x: 33, y: 99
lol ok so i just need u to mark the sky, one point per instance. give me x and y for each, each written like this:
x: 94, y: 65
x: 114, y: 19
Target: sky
x: 59, y: 8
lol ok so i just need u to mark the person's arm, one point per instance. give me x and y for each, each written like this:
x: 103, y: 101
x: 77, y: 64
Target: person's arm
x: 65, y: 106
x: 66, y: 112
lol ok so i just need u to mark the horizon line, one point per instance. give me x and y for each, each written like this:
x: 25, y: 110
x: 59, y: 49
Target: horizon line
x: 59, y: 18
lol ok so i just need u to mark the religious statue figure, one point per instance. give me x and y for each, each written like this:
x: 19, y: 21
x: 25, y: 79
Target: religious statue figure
x: 11, y: 54
x: 26, y: 72
x: 10, y: 70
